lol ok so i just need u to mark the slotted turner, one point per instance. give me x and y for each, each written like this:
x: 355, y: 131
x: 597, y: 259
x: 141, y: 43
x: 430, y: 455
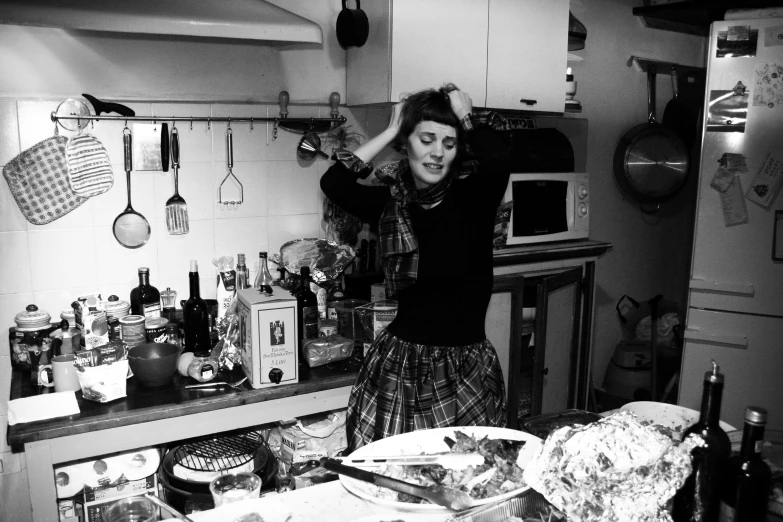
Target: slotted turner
x: 176, y: 209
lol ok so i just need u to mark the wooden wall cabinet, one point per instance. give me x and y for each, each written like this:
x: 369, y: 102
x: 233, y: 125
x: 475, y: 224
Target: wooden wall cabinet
x: 507, y: 54
x: 546, y: 361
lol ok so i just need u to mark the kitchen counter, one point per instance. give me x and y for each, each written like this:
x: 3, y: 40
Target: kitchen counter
x: 546, y: 252
x: 151, y: 416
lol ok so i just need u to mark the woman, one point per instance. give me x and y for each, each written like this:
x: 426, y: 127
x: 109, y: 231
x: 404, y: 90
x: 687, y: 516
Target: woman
x: 433, y: 366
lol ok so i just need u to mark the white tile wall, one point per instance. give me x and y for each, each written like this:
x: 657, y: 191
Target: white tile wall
x: 51, y: 265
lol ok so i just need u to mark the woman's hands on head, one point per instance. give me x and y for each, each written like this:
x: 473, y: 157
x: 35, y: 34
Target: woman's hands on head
x: 396, y: 118
x: 461, y: 103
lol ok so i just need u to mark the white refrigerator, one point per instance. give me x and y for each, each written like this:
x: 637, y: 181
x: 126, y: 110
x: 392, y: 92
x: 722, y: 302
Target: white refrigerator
x: 735, y: 298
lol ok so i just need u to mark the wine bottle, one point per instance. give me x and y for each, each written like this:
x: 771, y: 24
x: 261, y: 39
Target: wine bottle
x: 145, y: 298
x: 747, y: 483
x: 243, y: 274
x: 263, y: 279
x: 334, y: 295
x: 196, y: 316
x: 698, y: 500
x: 306, y: 307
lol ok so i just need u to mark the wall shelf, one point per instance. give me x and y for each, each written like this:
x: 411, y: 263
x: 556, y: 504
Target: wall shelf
x: 663, y: 67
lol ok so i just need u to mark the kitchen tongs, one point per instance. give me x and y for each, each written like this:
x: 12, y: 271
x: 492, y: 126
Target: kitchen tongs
x: 440, y: 495
x: 447, y: 460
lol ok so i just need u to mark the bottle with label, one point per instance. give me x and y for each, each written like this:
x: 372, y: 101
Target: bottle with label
x: 334, y: 295
x: 320, y: 297
x: 243, y: 274
x: 306, y: 307
x: 698, y: 500
x: 196, y: 316
x: 747, y: 484
x: 145, y: 298
x: 264, y: 279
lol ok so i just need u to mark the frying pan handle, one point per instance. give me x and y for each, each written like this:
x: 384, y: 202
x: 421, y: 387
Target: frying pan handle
x: 127, y: 141
x: 164, y: 146
x: 675, y: 89
x: 175, y: 148
x: 651, y: 72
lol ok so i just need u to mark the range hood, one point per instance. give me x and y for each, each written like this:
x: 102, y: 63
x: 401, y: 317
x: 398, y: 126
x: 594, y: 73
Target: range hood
x: 242, y: 19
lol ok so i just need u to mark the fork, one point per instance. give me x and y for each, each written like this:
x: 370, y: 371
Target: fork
x: 214, y: 384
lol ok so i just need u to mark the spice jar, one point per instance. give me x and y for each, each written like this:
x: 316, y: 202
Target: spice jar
x: 30, y: 339
x: 203, y: 369
x: 116, y: 309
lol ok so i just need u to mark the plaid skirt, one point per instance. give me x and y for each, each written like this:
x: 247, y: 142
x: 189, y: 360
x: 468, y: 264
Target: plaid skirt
x: 404, y: 387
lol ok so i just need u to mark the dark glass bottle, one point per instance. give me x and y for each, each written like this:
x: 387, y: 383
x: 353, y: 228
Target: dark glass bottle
x: 145, y: 298
x: 243, y: 274
x: 747, y: 483
x: 335, y: 295
x: 195, y: 313
x: 306, y: 307
x: 698, y: 500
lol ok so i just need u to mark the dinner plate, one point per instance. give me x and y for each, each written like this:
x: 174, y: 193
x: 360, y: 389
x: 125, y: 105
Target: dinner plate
x: 432, y: 441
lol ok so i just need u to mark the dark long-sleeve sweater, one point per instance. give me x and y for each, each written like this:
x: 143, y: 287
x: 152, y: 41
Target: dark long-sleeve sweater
x: 448, y: 303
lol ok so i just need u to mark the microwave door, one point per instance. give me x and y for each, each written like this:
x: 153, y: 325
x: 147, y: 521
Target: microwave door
x: 540, y: 208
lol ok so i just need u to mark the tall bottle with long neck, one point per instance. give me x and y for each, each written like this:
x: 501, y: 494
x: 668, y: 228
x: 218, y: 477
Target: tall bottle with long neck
x: 698, y: 500
x: 243, y: 274
x: 747, y: 484
x: 263, y: 279
x: 306, y: 307
x: 196, y: 316
x: 145, y: 298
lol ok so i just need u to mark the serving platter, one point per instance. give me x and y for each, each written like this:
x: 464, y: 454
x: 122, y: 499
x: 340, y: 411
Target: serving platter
x: 428, y: 442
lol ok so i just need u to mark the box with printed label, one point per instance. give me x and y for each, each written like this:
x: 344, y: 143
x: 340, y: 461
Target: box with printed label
x: 97, y: 500
x: 268, y: 337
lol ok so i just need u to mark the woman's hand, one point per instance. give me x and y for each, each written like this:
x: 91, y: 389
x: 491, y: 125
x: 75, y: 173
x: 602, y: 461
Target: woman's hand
x: 461, y: 103
x: 396, y: 118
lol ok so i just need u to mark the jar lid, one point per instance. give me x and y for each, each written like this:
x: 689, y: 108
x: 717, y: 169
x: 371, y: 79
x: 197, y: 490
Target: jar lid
x: 32, y: 319
x: 116, y: 307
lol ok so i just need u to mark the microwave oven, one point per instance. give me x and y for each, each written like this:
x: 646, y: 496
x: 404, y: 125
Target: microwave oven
x: 547, y: 207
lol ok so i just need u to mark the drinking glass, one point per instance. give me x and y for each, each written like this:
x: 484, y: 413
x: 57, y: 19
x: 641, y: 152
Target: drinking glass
x: 233, y: 487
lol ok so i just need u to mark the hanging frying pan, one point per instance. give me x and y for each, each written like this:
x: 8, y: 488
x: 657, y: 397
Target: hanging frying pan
x: 352, y: 26
x: 650, y: 160
x: 131, y: 229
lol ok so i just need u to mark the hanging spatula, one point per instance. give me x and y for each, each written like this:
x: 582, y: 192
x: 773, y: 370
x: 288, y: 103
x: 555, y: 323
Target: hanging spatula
x: 176, y: 209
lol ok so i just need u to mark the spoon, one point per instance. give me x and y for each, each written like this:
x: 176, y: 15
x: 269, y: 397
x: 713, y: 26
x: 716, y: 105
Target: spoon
x: 440, y: 495
x: 215, y: 384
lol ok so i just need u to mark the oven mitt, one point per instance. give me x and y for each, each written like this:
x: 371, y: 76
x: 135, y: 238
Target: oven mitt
x: 89, y: 168
x: 38, y: 179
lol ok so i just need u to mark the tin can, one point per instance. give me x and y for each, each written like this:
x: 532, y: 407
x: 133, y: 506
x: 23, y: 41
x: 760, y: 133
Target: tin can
x: 132, y: 330
x: 115, y: 310
x: 156, y: 329
x: 327, y: 327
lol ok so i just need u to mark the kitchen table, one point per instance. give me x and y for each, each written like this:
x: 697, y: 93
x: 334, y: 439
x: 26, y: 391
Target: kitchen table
x: 151, y: 416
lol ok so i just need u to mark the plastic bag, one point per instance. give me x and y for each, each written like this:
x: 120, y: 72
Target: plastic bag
x: 665, y: 327
x: 313, y: 437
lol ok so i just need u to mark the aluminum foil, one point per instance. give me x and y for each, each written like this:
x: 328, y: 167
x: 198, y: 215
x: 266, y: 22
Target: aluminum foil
x: 325, y: 258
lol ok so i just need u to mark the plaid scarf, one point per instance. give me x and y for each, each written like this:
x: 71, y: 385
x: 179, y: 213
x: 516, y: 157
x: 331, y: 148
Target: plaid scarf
x: 399, y: 248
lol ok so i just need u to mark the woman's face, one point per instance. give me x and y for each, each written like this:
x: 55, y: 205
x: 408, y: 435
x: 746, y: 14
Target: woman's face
x: 432, y: 148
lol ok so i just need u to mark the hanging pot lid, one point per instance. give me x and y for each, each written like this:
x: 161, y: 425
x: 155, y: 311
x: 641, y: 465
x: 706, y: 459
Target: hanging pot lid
x: 32, y: 319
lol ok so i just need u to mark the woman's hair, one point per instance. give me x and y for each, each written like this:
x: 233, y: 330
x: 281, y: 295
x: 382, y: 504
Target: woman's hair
x: 428, y: 105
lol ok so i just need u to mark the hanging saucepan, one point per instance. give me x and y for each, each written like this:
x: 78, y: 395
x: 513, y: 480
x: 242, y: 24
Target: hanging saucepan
x: 352, y: 26
x: 650, y: 161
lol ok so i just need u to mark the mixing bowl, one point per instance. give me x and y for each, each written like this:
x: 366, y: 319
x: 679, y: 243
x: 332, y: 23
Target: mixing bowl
x: 153, y: 364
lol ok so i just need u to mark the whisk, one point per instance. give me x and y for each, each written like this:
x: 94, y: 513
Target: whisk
x: 225, y: 200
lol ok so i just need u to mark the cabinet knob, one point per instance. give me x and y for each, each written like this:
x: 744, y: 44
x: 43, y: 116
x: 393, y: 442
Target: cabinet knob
x: 545, y: 372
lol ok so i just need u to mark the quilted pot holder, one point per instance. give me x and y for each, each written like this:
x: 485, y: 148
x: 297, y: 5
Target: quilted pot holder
x: 38, y: 179
x: 89, y: 168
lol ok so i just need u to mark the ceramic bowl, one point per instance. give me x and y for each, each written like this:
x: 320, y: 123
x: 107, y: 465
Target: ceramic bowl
x: 153, y: 364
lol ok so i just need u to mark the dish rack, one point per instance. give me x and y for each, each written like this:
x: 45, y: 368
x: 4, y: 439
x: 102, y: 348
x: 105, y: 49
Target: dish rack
x: 219, y: 453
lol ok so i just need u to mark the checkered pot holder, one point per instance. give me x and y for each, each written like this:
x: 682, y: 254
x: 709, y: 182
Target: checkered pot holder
x: 38, y: 179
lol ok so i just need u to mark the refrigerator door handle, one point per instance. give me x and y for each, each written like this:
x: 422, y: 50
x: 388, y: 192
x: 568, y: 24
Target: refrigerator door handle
x: 722, y: 286
x: 740, y: 341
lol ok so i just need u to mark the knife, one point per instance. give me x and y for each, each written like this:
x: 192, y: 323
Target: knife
x: 447, y: 460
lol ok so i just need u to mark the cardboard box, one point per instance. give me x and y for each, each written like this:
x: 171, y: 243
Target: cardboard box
x: 97, y: 500
x: 268, y: 337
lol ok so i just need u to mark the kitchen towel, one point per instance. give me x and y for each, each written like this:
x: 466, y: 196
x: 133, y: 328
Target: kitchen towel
x: 89, y: 168
x: 41, y: 407
x: 38, y: 180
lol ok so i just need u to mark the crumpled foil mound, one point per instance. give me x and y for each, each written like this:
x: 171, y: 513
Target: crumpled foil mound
x: 615, y: 469
x: 326, y: 259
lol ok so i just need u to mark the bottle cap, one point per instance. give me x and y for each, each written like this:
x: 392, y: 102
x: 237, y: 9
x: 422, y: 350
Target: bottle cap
x: 241, y: 258
x: 304, y: 271
x: 755, y: 415
x: 569, y: 76
x: 194, y: 265
x: 262, y: 254
x: 144, y: 270
x: 714, y: 376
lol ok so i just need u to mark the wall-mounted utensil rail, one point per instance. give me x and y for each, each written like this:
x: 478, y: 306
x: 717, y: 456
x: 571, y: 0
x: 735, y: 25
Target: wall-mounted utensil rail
x: 299, y: 125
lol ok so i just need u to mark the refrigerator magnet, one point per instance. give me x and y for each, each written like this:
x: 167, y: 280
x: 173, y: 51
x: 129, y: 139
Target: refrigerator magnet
x: 777, y: 238
x: 735, y: 211
x: 766, y: 183
x: 768, y: 89
x: 738, y: 40
x: 728, y: 110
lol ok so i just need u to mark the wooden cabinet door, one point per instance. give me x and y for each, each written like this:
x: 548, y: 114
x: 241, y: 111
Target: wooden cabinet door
x: 558, y: 322
x: 527, y: 50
